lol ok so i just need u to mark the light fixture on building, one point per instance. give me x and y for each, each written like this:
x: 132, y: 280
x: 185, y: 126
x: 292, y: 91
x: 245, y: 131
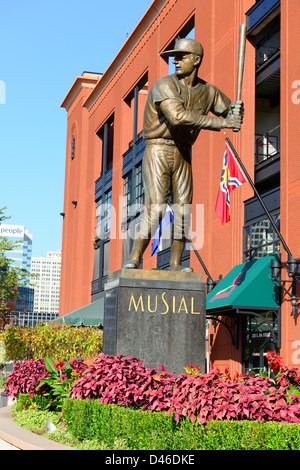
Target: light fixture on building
x: 75, y: 203
x: 275, y: 269
x: 210, y: 284
x: 293, y: 265
x: 62, y: 214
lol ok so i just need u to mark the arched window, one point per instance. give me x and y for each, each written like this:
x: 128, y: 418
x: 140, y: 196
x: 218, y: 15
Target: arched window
x: 72, y: 147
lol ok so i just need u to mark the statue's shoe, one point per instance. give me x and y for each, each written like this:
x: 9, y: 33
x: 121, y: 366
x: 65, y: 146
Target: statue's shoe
x: 131, y: 264
x: 179, y: 267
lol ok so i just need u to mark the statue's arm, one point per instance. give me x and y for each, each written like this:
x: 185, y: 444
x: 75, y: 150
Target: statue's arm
x: 177, y: 115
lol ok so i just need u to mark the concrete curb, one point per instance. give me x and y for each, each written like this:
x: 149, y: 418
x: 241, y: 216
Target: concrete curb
x: 21, y: 438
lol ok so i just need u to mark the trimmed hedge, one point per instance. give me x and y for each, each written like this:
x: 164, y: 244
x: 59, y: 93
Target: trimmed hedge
x: 26, y: 400
x: 144, y: 430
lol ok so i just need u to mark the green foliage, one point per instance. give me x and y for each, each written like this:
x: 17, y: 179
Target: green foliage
x: 143, y: 430
x: 29, y: 412
x: 2, y: 381
x: 35, y: 421
x: 27, y: 401
x: 17, y: 343
x: 59, y: 382
x: 51, y: 340
x: 91, y: 425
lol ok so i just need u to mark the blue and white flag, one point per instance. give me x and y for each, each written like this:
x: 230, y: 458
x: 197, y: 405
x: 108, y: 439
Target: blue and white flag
x: 157, y: 238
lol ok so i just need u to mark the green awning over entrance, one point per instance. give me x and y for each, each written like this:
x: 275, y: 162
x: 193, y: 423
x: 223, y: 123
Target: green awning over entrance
x: 248, y: 285
x: 90, y: 315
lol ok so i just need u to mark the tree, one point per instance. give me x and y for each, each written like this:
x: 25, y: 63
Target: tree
x: 12, y: 277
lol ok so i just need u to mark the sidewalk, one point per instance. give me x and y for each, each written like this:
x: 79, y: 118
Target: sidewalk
x: 6, y: 446
x: 14, y: 437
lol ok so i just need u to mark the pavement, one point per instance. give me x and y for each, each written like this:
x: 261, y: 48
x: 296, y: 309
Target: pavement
x: 7, y: 446
x: 14, y: 437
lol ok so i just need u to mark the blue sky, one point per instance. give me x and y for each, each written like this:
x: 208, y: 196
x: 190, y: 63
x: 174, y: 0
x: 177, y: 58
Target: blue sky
x: 44, y: 47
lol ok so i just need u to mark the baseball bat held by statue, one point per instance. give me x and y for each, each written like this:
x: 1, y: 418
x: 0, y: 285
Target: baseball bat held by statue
x: 241, y: 62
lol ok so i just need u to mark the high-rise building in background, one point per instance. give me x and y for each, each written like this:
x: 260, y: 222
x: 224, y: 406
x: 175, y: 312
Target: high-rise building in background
x: 21, y: 257
x: 21, y: 254
x: 39, y: 300
x: 46, y: 287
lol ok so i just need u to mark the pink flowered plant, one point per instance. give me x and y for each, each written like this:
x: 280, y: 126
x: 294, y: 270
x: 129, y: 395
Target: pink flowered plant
x: 27, y: 375
x: 211, y: 396
x: 214, y: 395
x: 126, y: 381
x: 25, y: 378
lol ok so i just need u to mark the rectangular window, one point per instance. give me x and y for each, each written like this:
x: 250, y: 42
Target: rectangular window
x: 133, y: 189
x: 137, y: 195
x: 139, y: 187
x: 188, y: 31
x: 106, y: 249
x: 260, y: 238
x: 103, y: 195
x: 97, y: 221
x: 103, y: 215
x: 106, y: 211
x: 126, y: 195
x: 106, y: 134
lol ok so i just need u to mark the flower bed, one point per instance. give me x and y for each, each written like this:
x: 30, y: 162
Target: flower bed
x: 126, y: 381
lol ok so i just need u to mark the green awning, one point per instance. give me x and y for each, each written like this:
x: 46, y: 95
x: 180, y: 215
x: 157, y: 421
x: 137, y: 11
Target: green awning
x: 246, y: 286
x: 90, y: 315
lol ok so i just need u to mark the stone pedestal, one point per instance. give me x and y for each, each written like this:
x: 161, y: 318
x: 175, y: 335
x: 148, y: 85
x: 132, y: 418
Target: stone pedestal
x: 156, y: 316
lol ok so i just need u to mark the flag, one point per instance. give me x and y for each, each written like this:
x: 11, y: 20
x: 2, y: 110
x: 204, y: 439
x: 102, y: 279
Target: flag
x: 157, y: 238
x: 232, y: 176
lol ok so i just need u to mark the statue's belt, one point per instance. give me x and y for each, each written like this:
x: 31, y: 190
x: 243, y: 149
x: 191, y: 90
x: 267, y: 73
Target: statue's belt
x: 162, y: 141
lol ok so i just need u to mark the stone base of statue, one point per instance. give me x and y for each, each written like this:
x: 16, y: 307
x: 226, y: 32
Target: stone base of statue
x: 156, y: 316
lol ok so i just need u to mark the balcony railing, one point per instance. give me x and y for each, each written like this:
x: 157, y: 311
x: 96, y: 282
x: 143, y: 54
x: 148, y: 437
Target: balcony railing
x: 265, y: 53
x: 267, y: 145
x: 268, y: 46
x: 98, y: 285
x: 107, y: 182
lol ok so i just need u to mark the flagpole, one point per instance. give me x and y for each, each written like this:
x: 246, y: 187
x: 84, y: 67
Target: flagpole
x: 196, y: 253
x: 199, y: 258
x: 258, y: 197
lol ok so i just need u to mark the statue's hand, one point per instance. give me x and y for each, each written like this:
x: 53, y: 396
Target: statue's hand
x: 235, y: 116
x: 237, y: 107
x: 232, y: 121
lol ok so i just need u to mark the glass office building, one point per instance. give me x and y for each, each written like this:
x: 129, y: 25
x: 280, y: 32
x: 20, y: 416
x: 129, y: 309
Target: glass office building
x: 21, y: 254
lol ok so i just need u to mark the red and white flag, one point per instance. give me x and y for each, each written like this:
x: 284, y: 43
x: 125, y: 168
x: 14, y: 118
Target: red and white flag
x: 232, y: 176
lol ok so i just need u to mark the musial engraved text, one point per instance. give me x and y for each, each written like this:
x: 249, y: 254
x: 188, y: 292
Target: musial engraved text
x: 177, y: 304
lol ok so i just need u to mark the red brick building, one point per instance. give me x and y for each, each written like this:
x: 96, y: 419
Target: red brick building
x: 104, y: 157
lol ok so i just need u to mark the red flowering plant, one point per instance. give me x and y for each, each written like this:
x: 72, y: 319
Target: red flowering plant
x: 26, y: 377
x: 285, y: 379
x: 215, y: 396
x: 60, y: 381
x: 125, y: 381
x: 209, y: 396
x: 192, y: 370
x: 275, y: 362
